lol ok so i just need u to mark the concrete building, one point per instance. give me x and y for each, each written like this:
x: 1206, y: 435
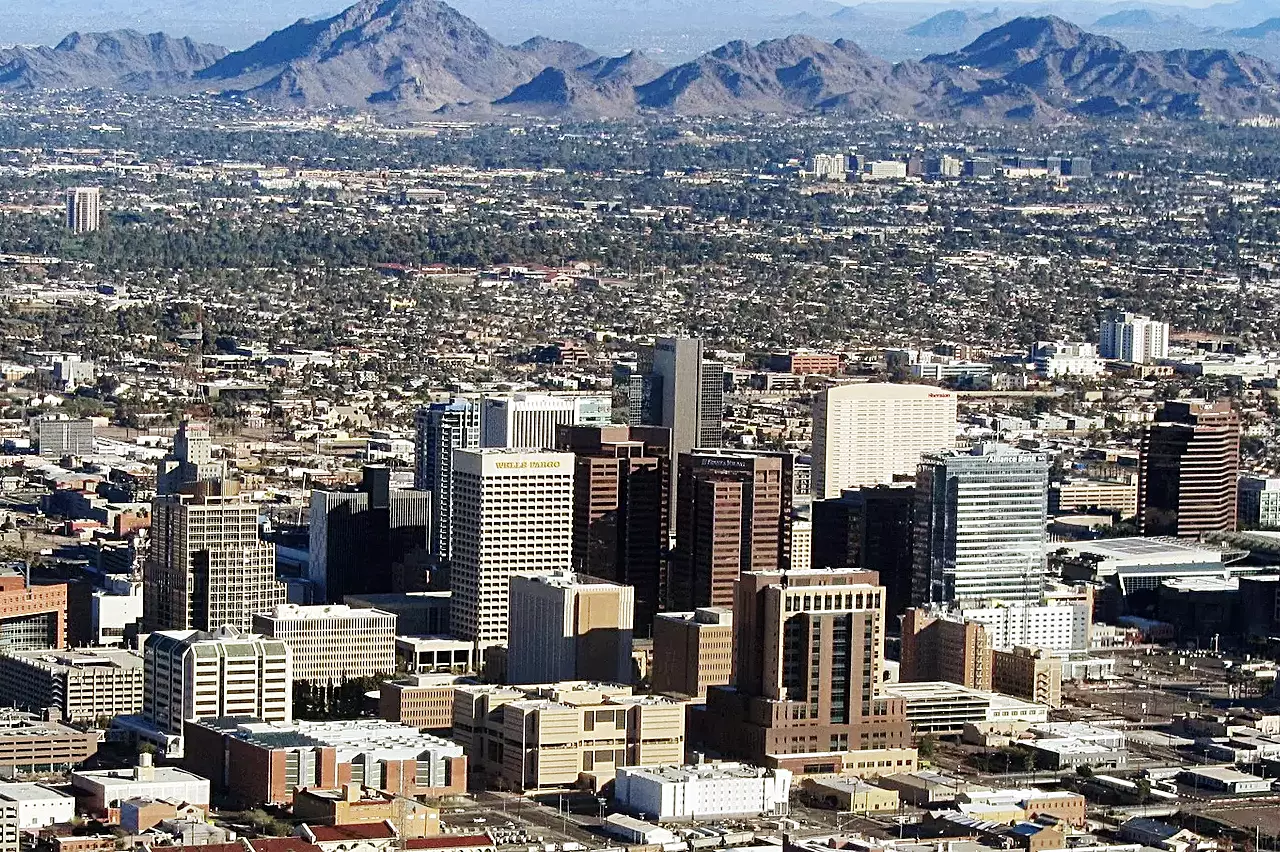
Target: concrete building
x: 685, y: 393
x: 801, y: 544
x: 32, y: 617
x: 944, y: 708
x: 190, y: 674
x: 1054, y: 359
x: 530, y: 420
x: 332, y: 642
x: 513, y: 513
x: 1063, y: 625
x: 114, y: 609
x: 1135, y: 564
x: 1259, y: 503
x: 354, y: 804
x: 1032, y: 674
x: 980, y: 526
x: 84, y: 209
x: 809, y: 655
x: 191, y: 461
x: 692, y: 651
x: 621, y: 508
x: 936, y: 647
x: 368, y: 541
x: 207, y: 566
x: 1188, y: 470
x: 535, y: 737
x: 417, y: 613
x: 733, y: 516
x: 1132, y: 337
x: 60, y: 436
x: 872, y: 434
x: 850, y: 795
x: 84, y: 686
x: 28, y: 744
x: 567, y: 626
x: 436, y: 655
x: 439, y: 429
x: 423, y: 701
x: 805, y: 362
x: 105, y: 788
x: 1068, y: 745
x: 1224, y: 779
x: 39, y: 806
x: 1093, y: 495
x: 705, y: 792
x: 257, y: 763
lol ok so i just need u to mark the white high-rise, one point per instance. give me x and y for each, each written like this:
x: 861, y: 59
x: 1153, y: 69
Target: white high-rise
x: 867, y: 434
x: 512, y: 513
x: 529, y: 420
x: 191, y: 674
x: 84, y: 209
x: 1133, y: 338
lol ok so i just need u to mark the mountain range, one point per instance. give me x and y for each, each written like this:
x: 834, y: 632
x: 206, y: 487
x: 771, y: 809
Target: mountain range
x: 414, y: 58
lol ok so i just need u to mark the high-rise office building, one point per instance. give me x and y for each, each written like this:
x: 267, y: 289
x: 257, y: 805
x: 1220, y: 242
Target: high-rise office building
x: 530, y: 420
x: 621, y: 511
x: 809, y: 653
x: 361, y: 541
x: 207, y: 566
x: 61, y: 436
x: 869, y: 529
x: 980, y: 525
x: 1259, y: 503
x: 1188, y: 470
x: 333, y: 642
x: 513, y: 513
x: 677, y: 388
x: 1133, y: 338
x: 692, y: 651
x: 872, y: 434
x: 441, y: 428
x: 567, y: 626
x: 84, y: 209
x: 193, y: 674
x: 733, y: 515
x: 191, y: 460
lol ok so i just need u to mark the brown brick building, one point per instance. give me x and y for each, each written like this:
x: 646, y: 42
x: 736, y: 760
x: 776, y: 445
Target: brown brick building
x: 939, y: 648
x: 32, y: 617
x: 1188, y: 468
x: 692, y: 651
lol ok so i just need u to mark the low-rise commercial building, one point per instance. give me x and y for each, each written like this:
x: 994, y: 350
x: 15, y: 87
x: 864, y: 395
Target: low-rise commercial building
x: 422, y: 701
x: 534, y: 737
x: 104, y: 788
x: 30, y: 744
x: 943, y: 708
x: 357, y: 805
x: 39, y: 806
x: 1224, y: 779
x: 435, y: 654
x: 702, y: 792
x: 256, y: 763
x: 84, y: 686
x: 851, y: 795
x: 1067, y: 745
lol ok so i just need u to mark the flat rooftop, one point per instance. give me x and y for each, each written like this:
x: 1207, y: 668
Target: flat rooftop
x: 297, y: 612
x: 1153, y: 550
x: 60, y: 661
x: 31, y: 793
x: 703, y: 772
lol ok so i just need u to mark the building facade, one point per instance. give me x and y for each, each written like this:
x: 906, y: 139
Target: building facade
x: 513, y: 513
x: 333, y: 642
x: 84, y: 686
x: 1259, y: 503
x: 869, y: 529
x: 1132, y: 337
x: 531, y: 420
x: 1188, y: 470
x: 874, y: 434
x: 1032, y: 674
x: 692, y: 651
x: 207, y: 566
x: 621, y: 508
x: 190, y: 675
x: 84, y: 209
x: 936, y: 647
x: 733, y: 515
x: 567, y: 626
x: 439, y: 429
x: 59, y: 436
x: 808, y: 661
x: 361, y: 541
x: 980, y: 526
x: 536, y: 737
x: 32, y: 617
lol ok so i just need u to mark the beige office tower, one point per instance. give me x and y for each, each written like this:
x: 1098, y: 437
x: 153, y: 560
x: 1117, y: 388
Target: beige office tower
x: 568, y: 626
x: 207, y: 566
x: 192, y: 674
x: 333, y: 642
x: 84, y: 209
x: 868, y: 434
x: 512, y: 514
x: 693, y: 651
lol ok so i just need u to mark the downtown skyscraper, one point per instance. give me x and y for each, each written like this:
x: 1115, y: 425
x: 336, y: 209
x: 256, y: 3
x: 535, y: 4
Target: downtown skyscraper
x: 439, y: 429
x: 678, y: 388
x: 980, y: 525
x: 1188, y: 470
